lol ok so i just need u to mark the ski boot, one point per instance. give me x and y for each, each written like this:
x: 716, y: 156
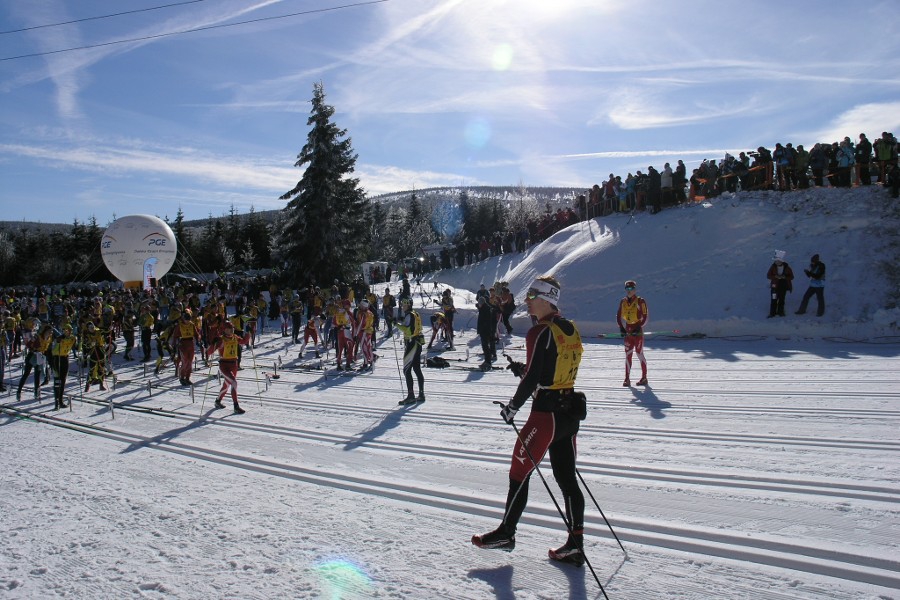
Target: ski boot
x: 408, y: 400
x: 643, y: 381
x: 238, y: 410
x: 626, y: 383
x: 421, y: 397
x: 571, y: 552
x: 499, y: 539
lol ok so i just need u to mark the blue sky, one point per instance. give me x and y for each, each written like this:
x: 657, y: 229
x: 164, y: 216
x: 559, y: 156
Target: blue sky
x: 432, y: 93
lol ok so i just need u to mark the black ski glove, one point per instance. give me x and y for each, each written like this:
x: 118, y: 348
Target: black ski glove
x: 508, y: 413
x: 517, y: 368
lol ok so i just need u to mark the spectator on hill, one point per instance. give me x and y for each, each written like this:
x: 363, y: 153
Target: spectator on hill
x: 816, y: 274
x: 781, y: 279
x: 801, y: 165
x: 666, y: 183
x: 846, y: 157
x: 885, y: 154
x: 679, y: 182
x: 654, y: 187
x: 863, y: 158
x: 818, y: 163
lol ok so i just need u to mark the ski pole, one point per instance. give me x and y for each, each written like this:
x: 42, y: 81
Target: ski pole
x: 397, y: 358
x: 255, y: 375
x: 206, y: 387
x: 601, y: 513
x: 621, y: 335
x: 552, y: 497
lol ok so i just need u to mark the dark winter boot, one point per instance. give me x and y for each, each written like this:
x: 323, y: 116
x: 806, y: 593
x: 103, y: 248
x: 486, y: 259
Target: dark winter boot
x: 238, y: 410
x: 408, y: 400
x: 498, y: 539
x: 421, y: 397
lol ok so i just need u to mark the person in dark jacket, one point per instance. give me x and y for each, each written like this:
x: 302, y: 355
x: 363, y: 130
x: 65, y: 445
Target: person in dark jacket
x: 818, y: 164
x: 816, y: 274
x: 863, y: 160
x: 486, y: 328
x: 780, y: 283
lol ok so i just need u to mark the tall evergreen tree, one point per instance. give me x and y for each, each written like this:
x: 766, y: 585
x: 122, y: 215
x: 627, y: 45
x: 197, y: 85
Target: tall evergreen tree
x: 255, y: 232
x: 325, y: 233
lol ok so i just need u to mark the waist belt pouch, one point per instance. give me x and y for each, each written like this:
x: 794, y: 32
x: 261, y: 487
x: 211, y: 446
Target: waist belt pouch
x: 574, y: 404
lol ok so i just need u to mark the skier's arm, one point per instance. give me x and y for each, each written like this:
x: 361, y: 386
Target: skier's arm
x: 645, y: 314
x: 536, y: 345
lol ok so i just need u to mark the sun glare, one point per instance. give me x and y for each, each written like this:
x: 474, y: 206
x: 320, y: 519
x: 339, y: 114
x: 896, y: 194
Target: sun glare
x: 503, y: 56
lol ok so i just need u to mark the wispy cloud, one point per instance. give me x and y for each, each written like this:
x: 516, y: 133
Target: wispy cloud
x: 236, y: 172
x: 379, y: 179
x: 870, y: 119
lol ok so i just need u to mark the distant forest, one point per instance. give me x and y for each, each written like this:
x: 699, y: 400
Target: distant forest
x: 34, y: 253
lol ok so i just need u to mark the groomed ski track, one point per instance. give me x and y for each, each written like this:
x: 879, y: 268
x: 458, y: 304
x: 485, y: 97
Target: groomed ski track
x: 716, y: 466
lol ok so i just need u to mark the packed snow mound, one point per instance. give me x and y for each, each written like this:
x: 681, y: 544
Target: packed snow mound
x: 702, y: 266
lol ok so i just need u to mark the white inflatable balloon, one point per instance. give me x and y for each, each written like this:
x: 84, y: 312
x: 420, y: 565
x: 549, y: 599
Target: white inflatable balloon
x: 138, y: 248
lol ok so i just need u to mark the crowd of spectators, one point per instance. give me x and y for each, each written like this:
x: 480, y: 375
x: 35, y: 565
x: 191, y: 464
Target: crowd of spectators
x: 785, y: 168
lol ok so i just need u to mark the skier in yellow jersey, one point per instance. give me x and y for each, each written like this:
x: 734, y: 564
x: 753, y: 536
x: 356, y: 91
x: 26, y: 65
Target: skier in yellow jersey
x: 631, y: 317
x: 410, y: 323
x: 59, y: 363
x: 229, y: 351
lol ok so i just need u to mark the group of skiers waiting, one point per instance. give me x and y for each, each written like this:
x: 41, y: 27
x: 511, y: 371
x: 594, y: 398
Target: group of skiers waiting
x: 89, y: 331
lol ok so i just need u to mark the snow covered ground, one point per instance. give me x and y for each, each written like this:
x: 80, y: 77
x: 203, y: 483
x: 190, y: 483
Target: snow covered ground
x: 761, y: 462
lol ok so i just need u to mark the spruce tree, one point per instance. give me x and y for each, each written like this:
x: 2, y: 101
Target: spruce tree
x: 325, y: 233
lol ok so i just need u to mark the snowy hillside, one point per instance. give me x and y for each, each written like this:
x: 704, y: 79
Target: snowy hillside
x: 702, y: 267
x: 763, y: 464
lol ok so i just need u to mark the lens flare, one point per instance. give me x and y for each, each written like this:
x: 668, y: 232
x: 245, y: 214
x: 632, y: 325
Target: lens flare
x: 342, y: 579
x: 447, y: 219
x: 478, y: 132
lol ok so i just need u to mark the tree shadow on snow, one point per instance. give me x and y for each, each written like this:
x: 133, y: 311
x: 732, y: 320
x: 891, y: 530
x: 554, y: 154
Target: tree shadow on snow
x: 646, y: 399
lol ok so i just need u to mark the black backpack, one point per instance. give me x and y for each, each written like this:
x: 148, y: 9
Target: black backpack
x: 437, y: 362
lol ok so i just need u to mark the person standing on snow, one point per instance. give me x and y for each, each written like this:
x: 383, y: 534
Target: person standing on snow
x: 363, y: 333
x: 344, y: 323
x: 816, y: 274
x: 631, y: 317
x: 188, y: 335
x: 229, y: 355
x: 388, y: 303
x: 59, y: 362
x: 781, y: 278
x: 486, y: 328
x: 410, y: 323
x: 553, y: 351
